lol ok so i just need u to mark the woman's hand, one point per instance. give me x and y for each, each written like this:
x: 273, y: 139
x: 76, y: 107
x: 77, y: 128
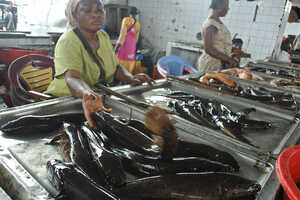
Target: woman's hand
x: 138, y: 79
x: 92, y: 102
x: 117, y: 47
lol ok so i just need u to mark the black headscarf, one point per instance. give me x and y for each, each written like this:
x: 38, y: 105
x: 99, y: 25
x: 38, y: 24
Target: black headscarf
x: 216, y: 3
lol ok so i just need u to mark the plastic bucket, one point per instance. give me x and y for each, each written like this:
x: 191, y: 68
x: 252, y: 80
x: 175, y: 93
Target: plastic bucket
x: 288, y: 171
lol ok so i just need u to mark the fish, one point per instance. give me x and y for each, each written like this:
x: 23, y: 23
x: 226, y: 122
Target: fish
x: 192, y: 164
x: 231, y: 129
x: 210, y: 114
x: 199, y: 150
x: 226, y: 86
x: 264, y: 95
x: 191, y: 186
x: 254, y: 94
x: 73, y: 183
x: 184, y: 111
x: 220, y: 77
x: 216, y: 115
x: 139, y: 125
x: 144, y: 166
x: 109, y: 162
x: 30, y: 124
x: 125, y: 135
x: 241, y: 118
x: 254, y: 124
x: 198, y: 109
x: 179, y: 95
x: 156, y: 119
x: 79, y: 154
x: 138, y: 164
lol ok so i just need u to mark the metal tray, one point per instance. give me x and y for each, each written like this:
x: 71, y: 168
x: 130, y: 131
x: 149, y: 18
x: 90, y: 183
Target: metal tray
x: 15, y: 167
x: 17, y: 182
x: 266, y: 84
x: 270, y: 141
x: 3, y: 195
x: 280, y: 64
x: 274, y: 66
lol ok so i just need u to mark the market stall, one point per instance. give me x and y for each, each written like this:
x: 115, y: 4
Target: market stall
x: 23, y: 158
x: 220, y: 137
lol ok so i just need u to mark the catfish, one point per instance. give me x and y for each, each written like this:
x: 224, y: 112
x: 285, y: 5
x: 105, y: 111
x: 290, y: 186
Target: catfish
x: 191, y: 186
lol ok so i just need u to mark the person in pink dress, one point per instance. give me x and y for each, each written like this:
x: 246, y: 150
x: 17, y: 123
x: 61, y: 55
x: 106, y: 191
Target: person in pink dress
x: 126, y: 45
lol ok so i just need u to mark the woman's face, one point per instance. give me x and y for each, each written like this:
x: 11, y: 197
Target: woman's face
x: 223, y: 9
x: 90, y: 15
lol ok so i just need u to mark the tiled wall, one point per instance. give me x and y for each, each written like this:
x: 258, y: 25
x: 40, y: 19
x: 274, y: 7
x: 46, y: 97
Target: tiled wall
x: 169, y: 20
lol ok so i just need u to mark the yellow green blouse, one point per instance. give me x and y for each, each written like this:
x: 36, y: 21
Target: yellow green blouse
x: 71, y: 54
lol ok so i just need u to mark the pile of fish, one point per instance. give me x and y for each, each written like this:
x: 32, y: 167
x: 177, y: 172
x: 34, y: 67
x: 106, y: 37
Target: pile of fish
x: 285, y: 83
x: 215, y: 115
x: 31, y: 124
x: 97, y: 163
x: 277, y: 72
x: 224, y: 84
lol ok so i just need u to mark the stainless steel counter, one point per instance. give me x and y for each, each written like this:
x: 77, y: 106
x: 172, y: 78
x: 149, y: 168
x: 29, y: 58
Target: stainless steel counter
x: 20, y: 180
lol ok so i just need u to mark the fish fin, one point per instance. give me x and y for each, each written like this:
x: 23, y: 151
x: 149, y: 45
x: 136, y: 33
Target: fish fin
x: 237, y: 136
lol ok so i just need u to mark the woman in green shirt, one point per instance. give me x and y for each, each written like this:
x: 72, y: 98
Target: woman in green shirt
x: 76, y: 70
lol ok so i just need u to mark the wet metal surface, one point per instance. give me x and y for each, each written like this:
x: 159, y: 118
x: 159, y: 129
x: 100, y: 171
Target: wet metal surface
x: 269, y: 141
x: 3, y: 195
x: 256, y: 163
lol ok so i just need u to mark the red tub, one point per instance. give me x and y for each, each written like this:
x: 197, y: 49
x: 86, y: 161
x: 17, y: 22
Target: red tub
x: 8, y: 55
x: 288, y: 172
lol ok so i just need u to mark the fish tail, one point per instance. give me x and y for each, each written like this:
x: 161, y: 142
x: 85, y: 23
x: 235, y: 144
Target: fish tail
x: 234, y: 135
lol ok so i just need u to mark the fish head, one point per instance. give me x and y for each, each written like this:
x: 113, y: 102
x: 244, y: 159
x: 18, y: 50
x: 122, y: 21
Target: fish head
x: 100, y: 118
x: 55, y: 172
x: 172, y: 103
x: 241, y: 188
x: 113, y: 169
x: 107, y: 161
x: 18, y: 124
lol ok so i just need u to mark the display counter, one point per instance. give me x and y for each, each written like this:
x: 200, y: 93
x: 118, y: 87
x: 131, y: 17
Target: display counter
x: 23, y: 158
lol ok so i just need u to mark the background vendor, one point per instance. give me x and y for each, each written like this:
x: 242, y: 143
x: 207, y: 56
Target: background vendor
x: 217, y: 40
x: 126, y: 44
